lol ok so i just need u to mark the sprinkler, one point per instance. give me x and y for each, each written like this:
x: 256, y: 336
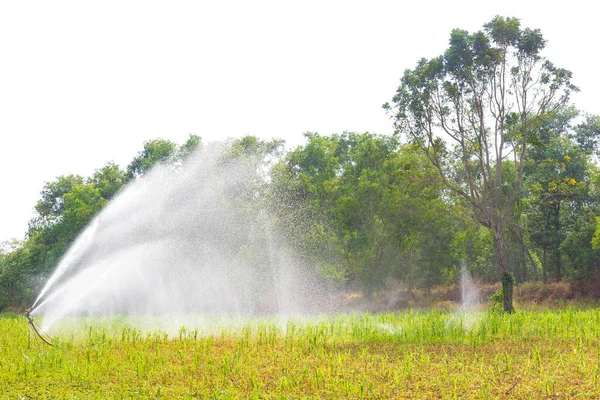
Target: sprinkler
x: 42, y: 335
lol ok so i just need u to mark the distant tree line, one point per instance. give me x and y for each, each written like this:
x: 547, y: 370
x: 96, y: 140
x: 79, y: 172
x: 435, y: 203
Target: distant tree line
x: 490, y: 168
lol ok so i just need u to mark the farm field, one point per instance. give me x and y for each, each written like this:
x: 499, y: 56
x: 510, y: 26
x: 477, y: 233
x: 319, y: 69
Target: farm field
x: 433, y: 354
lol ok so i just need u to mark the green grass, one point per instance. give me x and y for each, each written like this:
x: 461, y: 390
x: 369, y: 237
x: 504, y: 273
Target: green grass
x: 531, y: 354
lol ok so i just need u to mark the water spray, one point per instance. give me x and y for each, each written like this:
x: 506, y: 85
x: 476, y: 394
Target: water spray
x: 42, y: 335
x: 196, y: 239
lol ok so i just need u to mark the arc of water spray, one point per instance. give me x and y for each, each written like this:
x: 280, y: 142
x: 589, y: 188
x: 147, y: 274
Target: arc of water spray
x: 72, y: 255
x: 100, y: 279
x: 177, y: 236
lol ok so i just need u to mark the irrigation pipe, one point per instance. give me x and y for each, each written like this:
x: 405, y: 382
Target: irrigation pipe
x: 45, y: 337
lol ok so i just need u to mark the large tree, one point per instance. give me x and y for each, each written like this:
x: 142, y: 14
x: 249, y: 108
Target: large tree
x: 473, y: 110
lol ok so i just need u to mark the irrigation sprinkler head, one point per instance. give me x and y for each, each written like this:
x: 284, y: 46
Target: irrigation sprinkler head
x: 42, y: 335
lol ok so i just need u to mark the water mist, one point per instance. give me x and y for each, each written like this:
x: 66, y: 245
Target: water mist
x: 187, y: 239
x: 470, y: 299
x: 469, y: 293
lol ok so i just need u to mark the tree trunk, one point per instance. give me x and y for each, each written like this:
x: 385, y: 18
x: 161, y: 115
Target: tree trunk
x: 505, y: 277
x: 519, y: 237
x: 536, y: 276
x: 507, y: 291
x: 544, y: 268
x: 558, y: 265
x: 410, y: 277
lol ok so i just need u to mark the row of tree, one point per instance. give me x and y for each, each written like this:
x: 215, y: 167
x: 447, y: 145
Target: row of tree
x: 362, y: 210
x: 490, y: 168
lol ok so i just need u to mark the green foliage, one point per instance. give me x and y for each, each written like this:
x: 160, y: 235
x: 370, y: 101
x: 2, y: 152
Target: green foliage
x: 193, y: 143
x: 51, y: 206
x: 580, y: 247
x: 507, y: 284
x: 373, y: 207
x: 556, y: 211
x: 497, y: 301
x: 155, y: 151
x: 109, y: 180
x: 596, y: 237
x: 82, y: 203
x: 252, y: 146
x: 19, y: 269
x: 474, y: 245
x: 587, y: 134
x: 497, y: 298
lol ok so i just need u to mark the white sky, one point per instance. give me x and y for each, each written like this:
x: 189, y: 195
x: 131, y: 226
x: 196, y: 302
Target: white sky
x: 83, y: 83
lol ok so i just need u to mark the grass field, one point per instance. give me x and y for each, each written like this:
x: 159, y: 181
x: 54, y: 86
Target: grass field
x: 531, y: 354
